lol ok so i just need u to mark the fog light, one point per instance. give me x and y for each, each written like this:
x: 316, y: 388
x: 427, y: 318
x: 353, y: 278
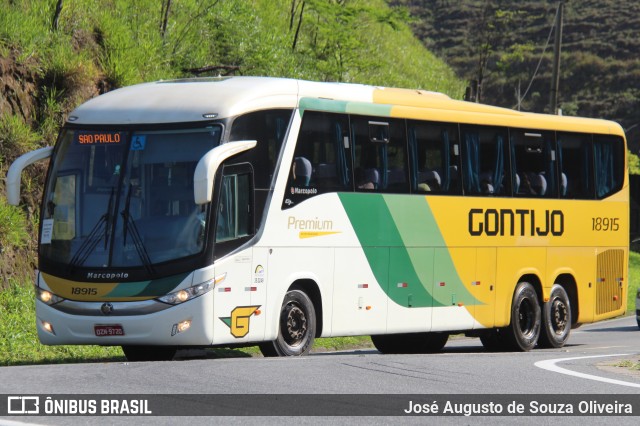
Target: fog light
x: 184, y: 326
x: 180, y: 327
x: 48, y: 327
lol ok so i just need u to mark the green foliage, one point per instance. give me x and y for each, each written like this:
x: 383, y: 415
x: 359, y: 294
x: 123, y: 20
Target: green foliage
x: 599, y: 68
x: 15, y: 137
x: 634, y: 164
x: 634, y: 280
x: 13, y: 227
x: 19, y: 342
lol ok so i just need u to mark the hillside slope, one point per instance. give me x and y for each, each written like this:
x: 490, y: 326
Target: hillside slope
x: 600, y: 69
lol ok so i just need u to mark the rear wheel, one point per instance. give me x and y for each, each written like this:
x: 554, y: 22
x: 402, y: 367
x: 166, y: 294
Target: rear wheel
x: 297, y: 328
x: 556, y: 319
x: 149, y: 353
x: 410, y: 343
x: 523, y: 332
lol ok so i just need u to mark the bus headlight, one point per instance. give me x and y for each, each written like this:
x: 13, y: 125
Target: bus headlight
x: 185, y: 294
x: 47, y: 297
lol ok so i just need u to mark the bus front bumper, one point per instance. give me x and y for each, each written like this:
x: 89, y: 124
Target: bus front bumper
x: 186, y: 324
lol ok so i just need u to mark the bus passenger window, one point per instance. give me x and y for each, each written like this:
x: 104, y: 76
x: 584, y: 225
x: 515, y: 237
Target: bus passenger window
x: 533, y: 164
x: 608, y: 153
x: 483, y: 160
x: 380, y: 155
x: 320, y: 161
x: 576, y: 165
x: 434, y: 159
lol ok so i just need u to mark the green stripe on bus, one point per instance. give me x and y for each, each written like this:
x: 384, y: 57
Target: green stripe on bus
x: 342, y: 107
x: 398, y: 235
x: 151, y: 288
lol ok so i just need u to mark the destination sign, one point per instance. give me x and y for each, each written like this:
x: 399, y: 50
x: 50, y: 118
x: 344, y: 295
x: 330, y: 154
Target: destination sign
x: 83, y: 137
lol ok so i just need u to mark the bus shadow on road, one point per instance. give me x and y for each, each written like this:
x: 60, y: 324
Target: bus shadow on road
x: 610, y: 329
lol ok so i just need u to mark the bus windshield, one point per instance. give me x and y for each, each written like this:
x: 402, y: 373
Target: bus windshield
x: 124, y: 198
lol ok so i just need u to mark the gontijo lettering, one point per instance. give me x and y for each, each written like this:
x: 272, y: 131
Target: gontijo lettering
x: 519, y: 222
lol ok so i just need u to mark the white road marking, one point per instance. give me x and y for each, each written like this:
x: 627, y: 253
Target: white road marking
x: 550, y: 364
x: 5, y: 422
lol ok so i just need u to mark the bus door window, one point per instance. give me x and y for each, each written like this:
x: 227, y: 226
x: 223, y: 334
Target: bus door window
x: 434, y: 157
x: 484, y: 160
x: 608, y: 153
x: 533, y: 162
x: 380, y: 157
x: 234, y: 212
x: 320, y: 161
x: 576, y: 165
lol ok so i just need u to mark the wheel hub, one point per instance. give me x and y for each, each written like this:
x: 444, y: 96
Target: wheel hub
x: 296, y: 324
x: 559, y: 316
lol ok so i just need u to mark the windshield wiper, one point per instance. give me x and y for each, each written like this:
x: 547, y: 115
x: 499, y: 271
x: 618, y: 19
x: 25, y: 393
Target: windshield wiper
x: 102, y: 229
x: 135, y: 235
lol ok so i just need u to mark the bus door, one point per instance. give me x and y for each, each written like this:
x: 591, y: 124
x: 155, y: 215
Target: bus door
x: 234, y: 310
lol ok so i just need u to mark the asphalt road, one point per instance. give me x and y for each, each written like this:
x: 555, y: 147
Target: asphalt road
x: 464, y: 372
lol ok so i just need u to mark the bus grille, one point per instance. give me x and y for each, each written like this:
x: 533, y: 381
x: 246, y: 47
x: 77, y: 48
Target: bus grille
x: 609, y: 281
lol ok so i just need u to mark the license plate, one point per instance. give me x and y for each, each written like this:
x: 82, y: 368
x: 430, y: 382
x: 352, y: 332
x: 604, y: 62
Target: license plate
x: 108, y: 330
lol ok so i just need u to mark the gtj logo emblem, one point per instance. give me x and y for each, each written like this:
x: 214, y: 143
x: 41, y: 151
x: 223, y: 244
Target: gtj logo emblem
x: 238, y: 322
x: 23, y: 405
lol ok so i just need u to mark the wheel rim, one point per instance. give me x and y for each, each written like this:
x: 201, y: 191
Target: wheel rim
x: 526, y: 317
x: 559, y: 316
x: 295, y: 325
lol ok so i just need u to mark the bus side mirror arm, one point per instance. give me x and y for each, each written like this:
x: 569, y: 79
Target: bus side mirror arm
x: 208, y: 166
x: 16, y: 168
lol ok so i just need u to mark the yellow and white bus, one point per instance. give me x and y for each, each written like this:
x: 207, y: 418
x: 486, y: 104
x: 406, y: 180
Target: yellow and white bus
x: 247, y: 210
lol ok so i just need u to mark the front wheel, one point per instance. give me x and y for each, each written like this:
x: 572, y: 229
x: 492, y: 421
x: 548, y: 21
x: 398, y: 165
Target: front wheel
x: 523, y: 332
x: 297, y: 328
x: 149, y: 353
x: 556, y: 319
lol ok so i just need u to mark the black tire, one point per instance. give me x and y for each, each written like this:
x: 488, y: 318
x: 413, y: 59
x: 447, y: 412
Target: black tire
x: 556, y: 319
x: 494, y: 340
x: 410, y: 343
x: 523, y: 331
x: 297, y: 329
x: 149, y: 353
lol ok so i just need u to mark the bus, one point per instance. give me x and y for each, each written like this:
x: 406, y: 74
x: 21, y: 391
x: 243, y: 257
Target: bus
x: 265, y: 211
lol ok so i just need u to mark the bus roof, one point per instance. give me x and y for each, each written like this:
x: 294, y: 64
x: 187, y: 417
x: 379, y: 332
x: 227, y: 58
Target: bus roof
x: 201, y: 99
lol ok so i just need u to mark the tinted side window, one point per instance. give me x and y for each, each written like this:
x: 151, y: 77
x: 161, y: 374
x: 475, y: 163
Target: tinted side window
x: 608, y: 153
x: 380, y: 157
x: 321, y: 160
x: 484, y: 160
x: 434, y: 150
x: 533, y: 163
x: 576, y: 165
